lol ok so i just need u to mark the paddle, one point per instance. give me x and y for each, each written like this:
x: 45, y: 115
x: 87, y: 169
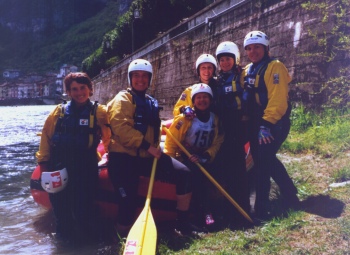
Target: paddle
x: 142, y: 238
x: 205, y: 172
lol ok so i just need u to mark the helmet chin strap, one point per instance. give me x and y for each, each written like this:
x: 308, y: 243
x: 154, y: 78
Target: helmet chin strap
x: 267, y: 50
x: 139, y: 93
x: 202, y: 115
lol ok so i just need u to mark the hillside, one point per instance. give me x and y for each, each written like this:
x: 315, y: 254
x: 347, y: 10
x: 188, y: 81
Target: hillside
x: 155, y: 18
x: 40, y: 36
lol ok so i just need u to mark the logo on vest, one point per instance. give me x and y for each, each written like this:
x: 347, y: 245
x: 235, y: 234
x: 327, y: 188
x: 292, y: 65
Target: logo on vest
x: 83, y: 122
x: 228, y: 89
x: 179, y: 125
x: 56, y: 180
x: 276, y: 78
x: 251, y: 81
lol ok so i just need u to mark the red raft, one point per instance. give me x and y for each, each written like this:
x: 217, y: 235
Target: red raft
x: 163, y: 195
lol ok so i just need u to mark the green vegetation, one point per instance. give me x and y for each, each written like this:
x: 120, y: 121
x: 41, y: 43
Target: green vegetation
x: 41, y: 53
x: 154, y: 19
x: 75, y: 43
x: 342, y: 174
x: 335, y: 44
x: 96, y: 43
x: 325, y: 133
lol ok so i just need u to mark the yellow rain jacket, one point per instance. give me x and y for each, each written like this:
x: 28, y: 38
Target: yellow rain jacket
x: 179, y: 128
x: 184, y: 100
x: 276, y: 79
x: 125, y: 138
x: 43, y: 155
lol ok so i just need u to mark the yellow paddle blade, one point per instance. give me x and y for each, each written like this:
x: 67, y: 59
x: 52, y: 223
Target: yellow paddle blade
x: 142, y: 238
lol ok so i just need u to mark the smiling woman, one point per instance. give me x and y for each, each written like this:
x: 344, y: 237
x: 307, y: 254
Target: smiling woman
x: 79, y: 93
x: 135, y: 124
x: 205, y: 68
x: 69, y: 139
x: 267, y: 110
x: 140, y: 80
x: 200, y: 136
x: 78, y: 87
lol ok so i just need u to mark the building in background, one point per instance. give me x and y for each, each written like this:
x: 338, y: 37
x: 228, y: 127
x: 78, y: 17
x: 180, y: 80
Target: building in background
x: 64, y: 70
x: 11, y: 73
x: 32, y: 88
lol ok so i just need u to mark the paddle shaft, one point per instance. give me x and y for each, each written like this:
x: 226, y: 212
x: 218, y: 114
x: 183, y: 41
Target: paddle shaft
x: 148, y: 198
x: 144, y: 226
x: 205, y: 172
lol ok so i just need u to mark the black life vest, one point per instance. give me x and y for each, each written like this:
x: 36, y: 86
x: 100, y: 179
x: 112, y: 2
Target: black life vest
x: 229, y: 92
x: 76, y: 130
x: 255, y: 91
x: 146, y: 114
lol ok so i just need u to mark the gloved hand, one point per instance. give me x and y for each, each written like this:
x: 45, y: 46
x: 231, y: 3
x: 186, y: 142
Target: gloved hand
x: 104, y: 161
x: 197, y: 159
x: 194, y: 158
x: 189, y: 113
x: 201, y: 159
x: 265, y: 135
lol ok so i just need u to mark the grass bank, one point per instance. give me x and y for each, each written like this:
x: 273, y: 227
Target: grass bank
x: 316, y: 155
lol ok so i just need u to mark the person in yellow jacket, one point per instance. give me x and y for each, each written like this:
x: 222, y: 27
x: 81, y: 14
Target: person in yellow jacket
x: 69, y: 139
x: 135, y: 124
x: 205, y: 67
x: 200, y: 136
x: 266, y: 105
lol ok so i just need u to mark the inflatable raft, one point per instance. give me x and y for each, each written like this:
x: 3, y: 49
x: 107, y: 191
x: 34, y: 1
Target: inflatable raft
x: 163, y: 195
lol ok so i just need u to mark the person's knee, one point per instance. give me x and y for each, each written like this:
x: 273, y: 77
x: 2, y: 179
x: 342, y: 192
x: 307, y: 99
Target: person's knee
x: 126, y: 212
x: 183, y: 183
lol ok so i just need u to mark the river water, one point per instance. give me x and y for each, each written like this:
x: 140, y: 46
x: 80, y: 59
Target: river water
x: 25, y: 227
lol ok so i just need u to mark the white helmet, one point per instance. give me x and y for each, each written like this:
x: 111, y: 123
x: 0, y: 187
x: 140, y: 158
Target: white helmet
x: 205, y: 58
x: 54, y: 182
x: 228, y: 48
x: 200, y: 87
x: 256, y: 37
x: 140, y: 65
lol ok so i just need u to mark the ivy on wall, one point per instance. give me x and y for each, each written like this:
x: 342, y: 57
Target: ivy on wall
x: 334, y: 44
x: 155, y: 17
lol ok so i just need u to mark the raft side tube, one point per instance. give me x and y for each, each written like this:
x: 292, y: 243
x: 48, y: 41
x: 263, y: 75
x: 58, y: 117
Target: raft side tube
x: 163, y: 196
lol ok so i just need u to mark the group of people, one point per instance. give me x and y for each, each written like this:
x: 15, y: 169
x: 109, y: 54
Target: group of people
x: 213, y: 119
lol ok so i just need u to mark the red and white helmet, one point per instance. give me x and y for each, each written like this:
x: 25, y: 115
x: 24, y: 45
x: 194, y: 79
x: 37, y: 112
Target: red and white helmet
x: 228, y: 48
x: 54, y: 182
x: 199, y: 88
x: 205, y: 58
x: 256, y: 37
x: 140, y: 65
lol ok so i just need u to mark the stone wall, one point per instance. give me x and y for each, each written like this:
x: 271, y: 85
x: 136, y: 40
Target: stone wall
x: 288, y: 24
